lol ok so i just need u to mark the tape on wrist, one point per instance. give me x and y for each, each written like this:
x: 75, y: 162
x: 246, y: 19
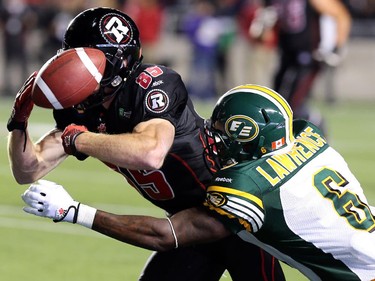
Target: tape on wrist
x: 86, y: 216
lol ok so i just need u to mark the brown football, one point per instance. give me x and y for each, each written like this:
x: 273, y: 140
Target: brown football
x: 68, y: 78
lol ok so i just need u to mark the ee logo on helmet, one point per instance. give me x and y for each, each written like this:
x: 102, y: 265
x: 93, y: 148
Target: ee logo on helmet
x: 248, y: 132
x: 115, y: 29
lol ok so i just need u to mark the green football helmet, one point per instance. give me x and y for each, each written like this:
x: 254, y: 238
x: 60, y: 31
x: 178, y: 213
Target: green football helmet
x: 248, y: 122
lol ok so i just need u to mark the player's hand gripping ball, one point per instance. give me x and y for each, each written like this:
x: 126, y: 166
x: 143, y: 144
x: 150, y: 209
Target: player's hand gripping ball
x: 68, y: 78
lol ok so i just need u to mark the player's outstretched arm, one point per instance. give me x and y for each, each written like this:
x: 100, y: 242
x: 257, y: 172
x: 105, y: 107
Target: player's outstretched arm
x: 341, y: 15
x: 144, y: 148
x: 191, y: 226
x: 188, y: 227
x: 30, y: 161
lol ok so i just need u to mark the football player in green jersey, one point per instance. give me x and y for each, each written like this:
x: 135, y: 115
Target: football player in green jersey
x: 281, y: 186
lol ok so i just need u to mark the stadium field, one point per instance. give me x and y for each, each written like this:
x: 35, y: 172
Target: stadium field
x: 33, y: 248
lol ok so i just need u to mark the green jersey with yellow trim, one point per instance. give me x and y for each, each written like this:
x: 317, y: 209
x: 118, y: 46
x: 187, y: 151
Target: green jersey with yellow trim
x: 303, y: 205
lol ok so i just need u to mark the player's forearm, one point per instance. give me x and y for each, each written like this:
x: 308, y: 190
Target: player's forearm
x: 341, y: 15
x: 22, y: 157
x: 343, y: 28
x: 124, y: 150
x: 30, y: 162
x: 188, y: 227
x: 146, y: 232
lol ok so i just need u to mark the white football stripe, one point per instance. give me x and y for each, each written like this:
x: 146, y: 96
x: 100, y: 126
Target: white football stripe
x: 89, y: 64
x: 48, y: 94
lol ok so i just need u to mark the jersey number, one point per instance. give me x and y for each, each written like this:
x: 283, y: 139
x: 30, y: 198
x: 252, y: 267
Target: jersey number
x: 347, y: 204
x: 145, y: 78
x: 153, y: 183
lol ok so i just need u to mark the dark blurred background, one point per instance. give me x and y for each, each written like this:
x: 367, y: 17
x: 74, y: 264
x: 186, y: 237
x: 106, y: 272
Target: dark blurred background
x: 31, y: 32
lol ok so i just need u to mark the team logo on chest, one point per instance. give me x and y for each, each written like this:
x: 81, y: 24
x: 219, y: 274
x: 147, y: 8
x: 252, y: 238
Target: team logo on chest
x: 242, y: 128
x: 157, y: 101
x: 115, y: 29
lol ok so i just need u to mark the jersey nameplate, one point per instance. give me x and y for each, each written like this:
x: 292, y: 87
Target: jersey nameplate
x: 306, y: 146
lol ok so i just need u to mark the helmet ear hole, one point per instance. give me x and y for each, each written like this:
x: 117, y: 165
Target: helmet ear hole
x: 265, y: 116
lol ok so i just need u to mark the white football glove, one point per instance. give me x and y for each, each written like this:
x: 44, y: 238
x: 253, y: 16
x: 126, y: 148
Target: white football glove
x: 331, y: 58
x: 48, y: 199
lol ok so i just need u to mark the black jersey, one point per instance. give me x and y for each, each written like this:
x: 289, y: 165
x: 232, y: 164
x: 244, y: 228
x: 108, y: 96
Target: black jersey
x: 155, y: 91
x: 298, y: 25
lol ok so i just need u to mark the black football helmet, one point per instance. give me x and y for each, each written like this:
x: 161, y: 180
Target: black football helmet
x: 115, y: 34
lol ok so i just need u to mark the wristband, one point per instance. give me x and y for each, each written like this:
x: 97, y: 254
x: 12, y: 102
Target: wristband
x: 173, y: 233
x: 86, y: 216
x: 14, y: 125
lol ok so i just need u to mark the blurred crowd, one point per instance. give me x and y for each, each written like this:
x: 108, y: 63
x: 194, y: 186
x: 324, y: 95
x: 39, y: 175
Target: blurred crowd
x: 201, y: 38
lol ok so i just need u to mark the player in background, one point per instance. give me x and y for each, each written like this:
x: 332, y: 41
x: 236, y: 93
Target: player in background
x: 281, y: 186
x: 312, y: 37
x: 142, y: 124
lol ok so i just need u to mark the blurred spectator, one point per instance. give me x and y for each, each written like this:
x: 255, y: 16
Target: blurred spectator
x: 362, y: 8
x: 210, y: 35
x: 302, y: 48
x: 363, y: 12
x: 202, y: 30
x: 227, y: 12
x: 54, y: 17
x: 257, y: 54
x: 149, y: 17
x: 16, y: 21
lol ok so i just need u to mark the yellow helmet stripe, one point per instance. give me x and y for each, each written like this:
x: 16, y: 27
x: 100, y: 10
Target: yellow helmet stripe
x: 276, y: 98
x: 270, y: 92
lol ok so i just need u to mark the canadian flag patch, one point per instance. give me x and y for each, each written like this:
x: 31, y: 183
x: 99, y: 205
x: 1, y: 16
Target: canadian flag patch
x: 60, y: 213
x: 279, y: 143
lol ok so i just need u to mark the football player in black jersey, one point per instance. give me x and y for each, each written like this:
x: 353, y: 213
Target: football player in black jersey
x: 142, y: 124
x: 312, y: 35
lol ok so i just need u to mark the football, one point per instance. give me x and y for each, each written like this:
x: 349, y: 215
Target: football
x: 68, y: 78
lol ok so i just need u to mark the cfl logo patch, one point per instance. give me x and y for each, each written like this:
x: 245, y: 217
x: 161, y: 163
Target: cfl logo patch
x: 157, y: 101
x: 115, y: 29
x: 242, y: 127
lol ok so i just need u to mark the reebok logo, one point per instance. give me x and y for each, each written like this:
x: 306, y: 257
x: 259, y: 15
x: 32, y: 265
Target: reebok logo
x: 157, y: 83
x: 224, y: 180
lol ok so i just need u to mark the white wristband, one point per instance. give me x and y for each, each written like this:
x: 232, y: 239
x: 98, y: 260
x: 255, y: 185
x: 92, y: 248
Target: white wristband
x: 173, y: 233
x: 86, y: 215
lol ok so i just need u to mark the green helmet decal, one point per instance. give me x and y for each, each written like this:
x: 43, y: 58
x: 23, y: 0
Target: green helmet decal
x: 250, y: 121
x: 241, y: 128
